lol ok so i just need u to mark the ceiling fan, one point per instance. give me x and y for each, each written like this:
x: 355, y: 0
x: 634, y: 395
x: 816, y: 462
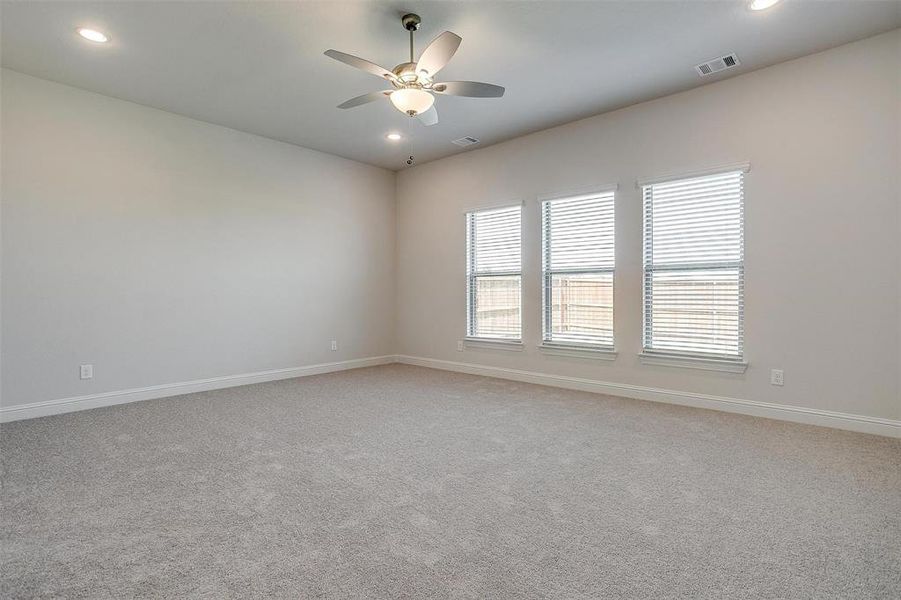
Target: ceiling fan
x: 414, y: 82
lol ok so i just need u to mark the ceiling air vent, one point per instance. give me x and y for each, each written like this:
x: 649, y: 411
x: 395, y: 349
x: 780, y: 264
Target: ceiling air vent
x: 466, y: 141
x: 717, y: 64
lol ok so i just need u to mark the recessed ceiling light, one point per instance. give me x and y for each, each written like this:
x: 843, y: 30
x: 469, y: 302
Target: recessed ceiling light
x: 762, y: 4
x: 393, y: 136
x: 92, y: 35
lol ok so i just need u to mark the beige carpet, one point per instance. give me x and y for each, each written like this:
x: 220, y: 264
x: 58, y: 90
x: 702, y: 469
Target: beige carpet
x: 402, y: 482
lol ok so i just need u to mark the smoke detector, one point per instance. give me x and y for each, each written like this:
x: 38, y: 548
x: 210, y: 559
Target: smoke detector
x: 717, y: 64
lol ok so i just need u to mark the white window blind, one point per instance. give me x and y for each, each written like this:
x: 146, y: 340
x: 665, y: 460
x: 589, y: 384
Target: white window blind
x: 494, y: 273
x: 694, y: 266
x: 578, y: 262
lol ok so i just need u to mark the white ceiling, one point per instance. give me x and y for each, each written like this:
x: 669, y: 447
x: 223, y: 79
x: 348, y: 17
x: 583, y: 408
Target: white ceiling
x: 258, y: 66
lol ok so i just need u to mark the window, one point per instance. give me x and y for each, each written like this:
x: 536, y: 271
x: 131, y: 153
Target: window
x: 577, y: 268
x: 694, y: 266
x: 494, y: 273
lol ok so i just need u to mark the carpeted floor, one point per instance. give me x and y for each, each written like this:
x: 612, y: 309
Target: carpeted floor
x: 399, y: 482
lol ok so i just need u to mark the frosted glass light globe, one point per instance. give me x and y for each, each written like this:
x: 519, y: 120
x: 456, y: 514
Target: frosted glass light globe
x: 412, y: 100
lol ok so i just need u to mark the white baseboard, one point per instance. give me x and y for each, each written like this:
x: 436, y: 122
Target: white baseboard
x: 796, y: 414
x: 64, y: 405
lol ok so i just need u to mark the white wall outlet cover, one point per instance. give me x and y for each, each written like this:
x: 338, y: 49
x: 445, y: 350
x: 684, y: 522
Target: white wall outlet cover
x: 86, y: 371
x: 460, y: 346
x: 334, y: 345
x: 776, y: 377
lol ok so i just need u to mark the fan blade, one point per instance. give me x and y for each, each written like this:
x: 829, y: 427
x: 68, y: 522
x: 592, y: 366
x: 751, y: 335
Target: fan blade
x: 364, y: 65
x: 470, y: 89
x: 365, y: 99
x: 429, y: 117
x: 438, y: 53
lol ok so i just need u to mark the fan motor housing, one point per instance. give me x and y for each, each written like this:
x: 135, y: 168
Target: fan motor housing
x: 406, y: 72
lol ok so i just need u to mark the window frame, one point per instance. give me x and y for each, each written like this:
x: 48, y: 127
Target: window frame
x: 568, y: 347
x: 471, y: 277
x: 688, y: 358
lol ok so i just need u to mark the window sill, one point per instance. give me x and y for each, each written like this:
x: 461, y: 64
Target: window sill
x: 576, y: 351
x: 494, y: 344
x: 691, y: 362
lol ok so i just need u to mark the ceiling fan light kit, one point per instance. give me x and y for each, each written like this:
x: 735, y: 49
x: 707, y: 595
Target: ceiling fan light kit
x: 412, y: 101
x: 414, y: 87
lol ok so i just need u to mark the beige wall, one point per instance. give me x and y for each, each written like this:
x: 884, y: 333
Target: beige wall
x: 162, y: 249
x: 822, y: 210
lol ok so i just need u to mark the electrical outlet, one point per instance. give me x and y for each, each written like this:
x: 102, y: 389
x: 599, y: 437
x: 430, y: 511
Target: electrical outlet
x: 460, y: 346
x: 334, y: 345
x: 776, y: 377
x: 87, y: 371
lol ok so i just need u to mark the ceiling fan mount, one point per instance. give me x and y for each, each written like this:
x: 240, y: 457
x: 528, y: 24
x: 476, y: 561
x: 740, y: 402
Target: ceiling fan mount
x: 413, y: 82
x: 411, y: 21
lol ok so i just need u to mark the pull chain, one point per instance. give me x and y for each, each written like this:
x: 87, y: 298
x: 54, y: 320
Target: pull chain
x: 410, y: 159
